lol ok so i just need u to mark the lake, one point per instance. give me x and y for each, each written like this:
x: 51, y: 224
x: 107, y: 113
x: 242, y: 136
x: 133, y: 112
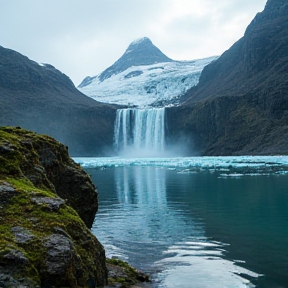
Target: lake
x: 195, y: 222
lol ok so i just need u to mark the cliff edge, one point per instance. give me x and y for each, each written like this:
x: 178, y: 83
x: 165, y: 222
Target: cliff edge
x: 240, y: 105
x: 45, y: 201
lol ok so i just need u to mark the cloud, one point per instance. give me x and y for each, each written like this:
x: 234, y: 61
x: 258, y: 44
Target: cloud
x: 83, y: 37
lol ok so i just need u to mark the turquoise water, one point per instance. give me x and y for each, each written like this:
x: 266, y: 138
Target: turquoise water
x: 196, y: 222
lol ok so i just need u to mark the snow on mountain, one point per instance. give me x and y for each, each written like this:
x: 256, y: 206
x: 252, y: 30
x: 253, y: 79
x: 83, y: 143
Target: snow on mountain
x: 143, y: 77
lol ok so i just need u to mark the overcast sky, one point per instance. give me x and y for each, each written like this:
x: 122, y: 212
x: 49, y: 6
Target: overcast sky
x: 84, y: 37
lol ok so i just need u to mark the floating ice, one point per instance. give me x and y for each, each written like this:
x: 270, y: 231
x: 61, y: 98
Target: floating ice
x: 234, y: 166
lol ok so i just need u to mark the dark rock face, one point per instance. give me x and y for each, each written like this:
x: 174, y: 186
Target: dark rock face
x: 42, y: 99
x: 240, y: 105
x: 254, y: 63
x: 59, y: 254
x: 69, y: 183
x: 139, y: 52
x: 43, y: 241
x: 228, y: 126
x: 46, y: 162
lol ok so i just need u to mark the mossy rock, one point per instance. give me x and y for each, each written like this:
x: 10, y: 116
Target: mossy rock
x: 43, y: 241
x: 121, y: 274
x: 46, y: 163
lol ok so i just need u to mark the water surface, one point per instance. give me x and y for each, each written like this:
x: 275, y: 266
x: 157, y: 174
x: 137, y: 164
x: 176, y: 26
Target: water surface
x: 196, y: 222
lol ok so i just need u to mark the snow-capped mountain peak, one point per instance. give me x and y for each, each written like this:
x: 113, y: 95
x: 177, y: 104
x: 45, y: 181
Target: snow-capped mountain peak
x: 140, y: 40
x: 139, y: 52
x: 144, y: 76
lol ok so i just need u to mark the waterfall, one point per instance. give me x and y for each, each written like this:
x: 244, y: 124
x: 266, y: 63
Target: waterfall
x: 140, y: 131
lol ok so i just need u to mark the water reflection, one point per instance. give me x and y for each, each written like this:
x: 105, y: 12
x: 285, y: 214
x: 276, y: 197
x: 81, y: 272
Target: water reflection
x: 145, y: 185
x: 142, y: 209
x: 148, y: 216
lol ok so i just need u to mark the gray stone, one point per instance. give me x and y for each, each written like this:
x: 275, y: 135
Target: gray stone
x: 7, y: 148
x: 8, y: 281
x: 53, y: 204
x: 16, y: 257
x: 21, y: 234
x: 6, y: 187
x: 7, y: 191
x: 60, y: 252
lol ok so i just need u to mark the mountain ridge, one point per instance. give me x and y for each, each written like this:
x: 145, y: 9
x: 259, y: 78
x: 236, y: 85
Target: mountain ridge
x: 250, y: 59
x: 40, y: 98
x: 140, y: 52
x: 240, y: 105
x: 144, y: 76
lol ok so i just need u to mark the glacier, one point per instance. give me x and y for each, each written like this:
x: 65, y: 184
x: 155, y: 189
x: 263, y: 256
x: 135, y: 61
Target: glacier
x: 147, y: 85
x: 144, y: 76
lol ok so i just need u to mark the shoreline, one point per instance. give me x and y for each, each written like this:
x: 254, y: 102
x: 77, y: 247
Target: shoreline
x: 122, y: 275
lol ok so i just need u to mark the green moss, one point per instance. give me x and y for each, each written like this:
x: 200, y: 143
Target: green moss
x: 19, y: 213
x: 127, y: 268
x: 6, y: 239
x: 21, y: 168
x: 21, y: 149
x: 24, y: 184
x: 11, y: 157
x: 7, y: 136
x: 115, y: 280
x: 10, y: 166
x: 35, y: 256
x: 121, y: 272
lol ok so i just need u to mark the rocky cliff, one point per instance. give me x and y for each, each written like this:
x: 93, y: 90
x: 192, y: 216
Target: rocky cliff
x: 38, y: 97
x: 45, y: 201
x: 240, y: 105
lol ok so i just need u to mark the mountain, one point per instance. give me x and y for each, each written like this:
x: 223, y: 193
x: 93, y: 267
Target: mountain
x: 254, y: 62
x: 139, y: 52
x: 144, y: 76
x: 240, y: 105
x: 39, y: 97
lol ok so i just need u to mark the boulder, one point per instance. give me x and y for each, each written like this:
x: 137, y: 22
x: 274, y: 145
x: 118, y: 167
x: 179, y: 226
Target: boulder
x: 47, y: 203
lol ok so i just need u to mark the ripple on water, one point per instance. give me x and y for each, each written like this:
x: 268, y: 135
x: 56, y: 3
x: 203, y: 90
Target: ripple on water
x: 201, y: 265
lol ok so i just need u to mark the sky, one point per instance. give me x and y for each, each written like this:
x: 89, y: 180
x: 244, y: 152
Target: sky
x: 84, y: 37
